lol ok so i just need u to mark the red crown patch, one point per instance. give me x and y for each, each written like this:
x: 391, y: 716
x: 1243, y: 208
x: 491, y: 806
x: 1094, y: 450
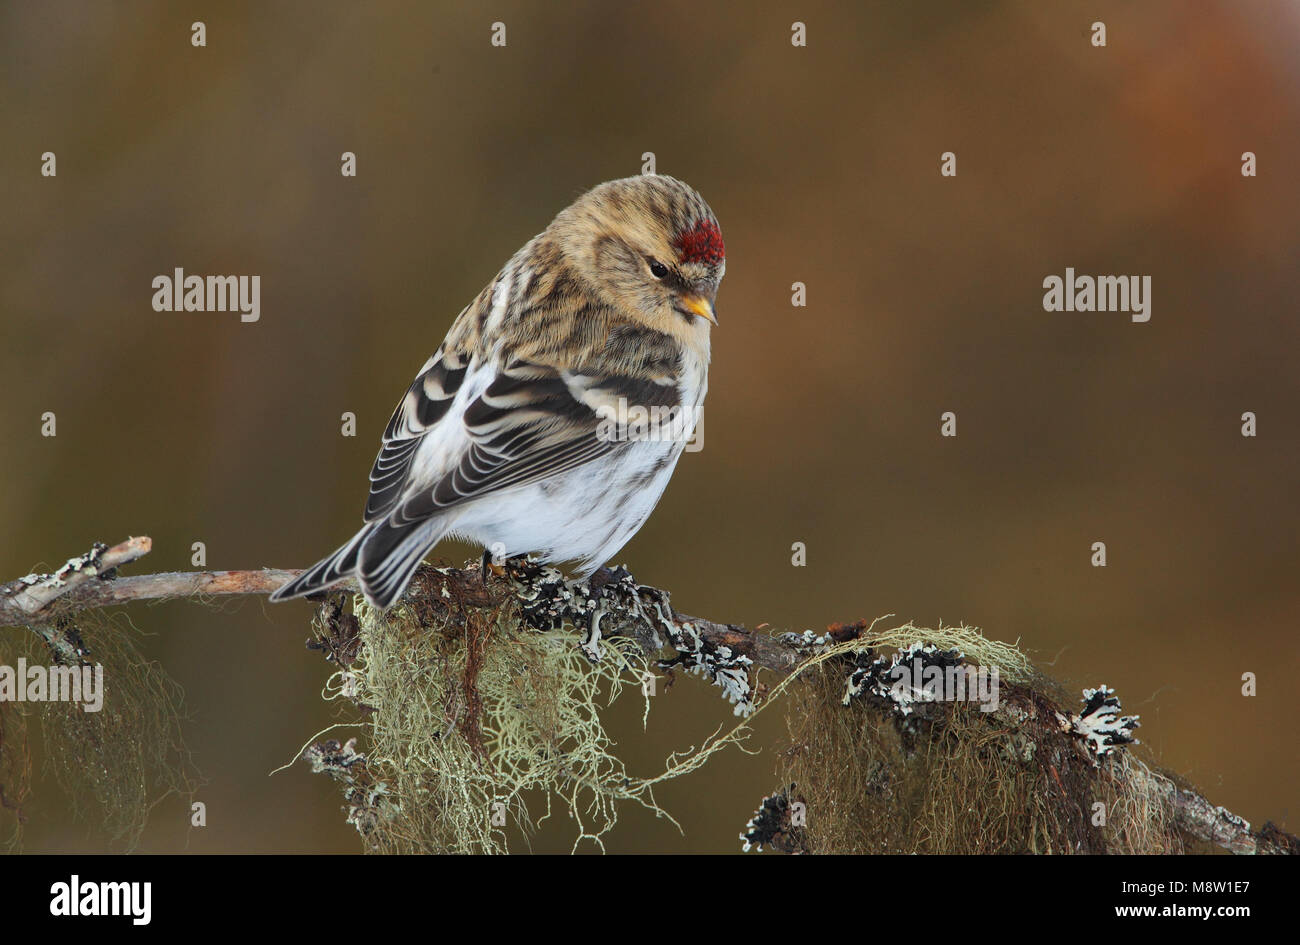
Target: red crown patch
x: 702, y: 243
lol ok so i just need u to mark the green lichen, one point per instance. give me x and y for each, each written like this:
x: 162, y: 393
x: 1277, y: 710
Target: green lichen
x: 470, y: 717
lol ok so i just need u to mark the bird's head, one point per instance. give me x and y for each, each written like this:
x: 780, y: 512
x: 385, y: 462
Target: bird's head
x: 652, y: 248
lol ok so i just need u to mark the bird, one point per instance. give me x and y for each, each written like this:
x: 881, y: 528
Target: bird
x: 511, y: 434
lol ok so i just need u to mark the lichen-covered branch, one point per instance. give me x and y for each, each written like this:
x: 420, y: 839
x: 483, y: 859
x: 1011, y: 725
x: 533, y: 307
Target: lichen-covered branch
x: 611, y: 604
x: 27, y: 596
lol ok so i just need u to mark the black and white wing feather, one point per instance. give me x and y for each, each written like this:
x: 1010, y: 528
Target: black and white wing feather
x: 427, y: 403
x: 530, y: 422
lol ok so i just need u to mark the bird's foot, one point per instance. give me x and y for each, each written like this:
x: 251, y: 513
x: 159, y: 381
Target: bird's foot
x: 487, y: 567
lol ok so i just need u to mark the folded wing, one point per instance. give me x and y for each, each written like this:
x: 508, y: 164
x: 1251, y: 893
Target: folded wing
x: 531, y: 421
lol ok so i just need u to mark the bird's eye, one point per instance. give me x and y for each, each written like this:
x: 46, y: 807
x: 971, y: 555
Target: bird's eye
x: 658, y: 269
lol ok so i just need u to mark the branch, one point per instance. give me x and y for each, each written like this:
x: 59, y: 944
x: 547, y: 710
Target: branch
x: 107, y: 592
x: 610, y: 604
x: 28, y: 595
x: 88, y: 581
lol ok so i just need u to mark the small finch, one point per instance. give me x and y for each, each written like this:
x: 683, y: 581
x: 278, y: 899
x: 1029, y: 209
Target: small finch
x: 505, y: 437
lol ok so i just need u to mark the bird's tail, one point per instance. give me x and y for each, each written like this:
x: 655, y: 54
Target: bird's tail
x: 326, y: 572
x: 391, y: 553
x: 382, y: 556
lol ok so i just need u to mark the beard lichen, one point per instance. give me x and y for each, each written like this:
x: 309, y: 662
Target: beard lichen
x: 15, y: 767
x: 875, y: 775
x: 114, y: 764
x: 471, y: 712
x: 469, y: 717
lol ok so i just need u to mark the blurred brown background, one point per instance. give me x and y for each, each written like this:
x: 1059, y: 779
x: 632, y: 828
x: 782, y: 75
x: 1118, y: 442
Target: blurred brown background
x: 822, y: 163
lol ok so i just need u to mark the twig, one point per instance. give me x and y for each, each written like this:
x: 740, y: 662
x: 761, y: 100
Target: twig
x: 169, y: 584
x: 30, y: 594
x: 23, y: 601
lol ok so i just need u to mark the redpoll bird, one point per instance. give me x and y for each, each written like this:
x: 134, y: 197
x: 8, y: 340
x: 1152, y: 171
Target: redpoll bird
x: 505, y: 436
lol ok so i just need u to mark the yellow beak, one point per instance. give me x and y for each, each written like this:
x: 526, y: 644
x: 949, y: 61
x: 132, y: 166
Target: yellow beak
x: 700, y: 307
